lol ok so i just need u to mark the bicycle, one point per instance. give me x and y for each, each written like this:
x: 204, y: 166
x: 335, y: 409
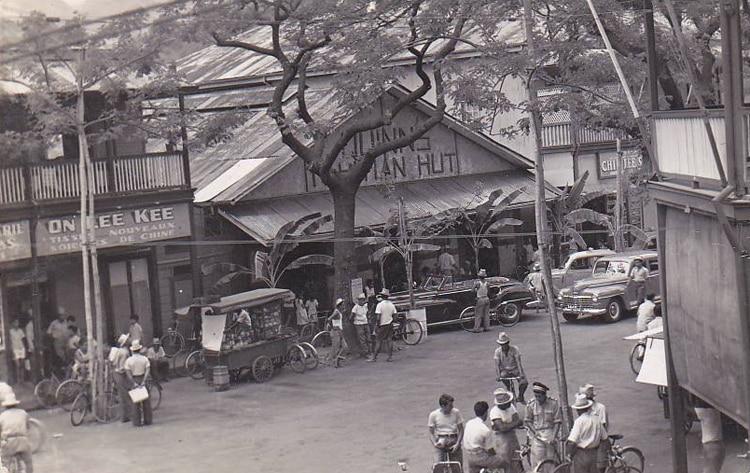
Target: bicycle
x: 447, y: 465
x: 105, y: 407
x: 636, y: 356
x: 14, y: 465
x: 619, y: 459
x: 172, y: 341
x: 45, y: 390
x: 407, y: 329
x: 505, y: 313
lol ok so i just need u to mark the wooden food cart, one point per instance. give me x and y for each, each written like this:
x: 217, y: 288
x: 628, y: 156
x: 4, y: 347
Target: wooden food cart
x: 244, y: 333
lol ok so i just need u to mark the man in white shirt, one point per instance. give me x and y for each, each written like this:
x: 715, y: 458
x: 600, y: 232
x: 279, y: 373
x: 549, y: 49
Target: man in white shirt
x: 359, y: 320
x: 446, y: 428
x: 14, y: 434
x: 478, y: 444
x: 158, y: 359
x: 447, y: 263
x: 639, y: 275
x: 645, y: 313
x: 138, y: 370
x: 136, y: 331
x: 505, y: 419
x: 384, y: 312
x: 585, y: 436
x: 117, y: 358
x: 600, y: 410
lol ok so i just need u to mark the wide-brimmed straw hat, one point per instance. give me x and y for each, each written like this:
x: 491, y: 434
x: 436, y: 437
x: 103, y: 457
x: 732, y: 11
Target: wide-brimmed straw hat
x: 502, y: 338
x: 136, y: 346
x: 11, y: 401
x: 502, y: 396
x: 581, y: 402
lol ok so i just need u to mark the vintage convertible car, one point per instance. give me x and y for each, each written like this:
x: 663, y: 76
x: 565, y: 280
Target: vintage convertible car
x: 444, y: 299
x: 610, y: 292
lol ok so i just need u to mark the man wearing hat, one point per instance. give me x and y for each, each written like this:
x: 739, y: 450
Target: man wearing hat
x: 639, y: 275
x: 117, y: 358
x: 542, y: 421
x: 505, y: 419
x: 600, y: 410
x: 158, y: 359
x: 14, y: 434
x: 508, y: 365
x: 384, y: 312
x: 482, y: 305
x: 137, y: 369
x: 359, y: 320
x: 336, y: 323
x: 585, y: 436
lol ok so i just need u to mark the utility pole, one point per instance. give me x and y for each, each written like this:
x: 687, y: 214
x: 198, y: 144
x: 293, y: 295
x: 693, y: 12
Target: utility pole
x: 542, y: 233
x: 618, y: 200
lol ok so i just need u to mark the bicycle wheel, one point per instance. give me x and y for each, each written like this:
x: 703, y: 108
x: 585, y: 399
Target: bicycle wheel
x: 80, y: 407
x: 37, y: 434
x: 411, y: 332
x: 632, y: 456
x: 44, y: 392
x: 322, y: 344
x: 636, y: 357
x: 546, y: 466
x: 107, y: 408
x: 296, y: 358
x: 622, y: 469
x: 194, y: 365
x: 262, y: 369
x: 467, y: 319
x: 307, y: 333
x: 172, y: 342
x: 564, y: 467
x: 67, y: 392
x: 178, y: 363
x: 311, y: 356
x: 154, y: 392
x: 508, y: 314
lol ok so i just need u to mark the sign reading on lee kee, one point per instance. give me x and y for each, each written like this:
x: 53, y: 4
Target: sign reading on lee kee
x: 119, y: 228
x: 15, y: 242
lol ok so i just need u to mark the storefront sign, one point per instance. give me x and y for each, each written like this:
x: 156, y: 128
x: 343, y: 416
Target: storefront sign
x: 430, y: 156
x: 119, y: 228
x: 15, y: 241
x: 631, y: 159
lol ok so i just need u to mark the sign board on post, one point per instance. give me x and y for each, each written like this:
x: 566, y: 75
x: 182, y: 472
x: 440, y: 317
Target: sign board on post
x: 631, y: 159
x: 357, y: 288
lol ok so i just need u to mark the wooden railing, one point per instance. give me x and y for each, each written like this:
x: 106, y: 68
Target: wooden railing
x: 559, y: 135
x: 60, y: 180
x: 682, y: 146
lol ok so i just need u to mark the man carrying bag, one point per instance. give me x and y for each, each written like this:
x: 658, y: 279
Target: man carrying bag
x: 137, y: 369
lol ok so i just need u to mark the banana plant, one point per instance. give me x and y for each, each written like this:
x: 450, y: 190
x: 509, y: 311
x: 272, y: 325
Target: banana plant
x: 270, y: 266
x: 486, y: 220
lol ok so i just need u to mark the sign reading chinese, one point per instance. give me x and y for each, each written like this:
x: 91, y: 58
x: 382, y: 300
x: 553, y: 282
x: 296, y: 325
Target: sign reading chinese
x: 119, y: 228
x: 433, y: 155
x: 631, y: 159
x: 15, y: 241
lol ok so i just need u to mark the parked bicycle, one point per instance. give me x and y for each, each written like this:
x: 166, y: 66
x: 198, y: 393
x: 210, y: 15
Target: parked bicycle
x: 636, y: 356
x: 45, y: 390
x: 505, y: 313
x: 620, y: 459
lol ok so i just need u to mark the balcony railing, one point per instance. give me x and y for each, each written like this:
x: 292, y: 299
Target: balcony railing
x: 682, y: 146
x: 559, y: 135
x: 60, y: 180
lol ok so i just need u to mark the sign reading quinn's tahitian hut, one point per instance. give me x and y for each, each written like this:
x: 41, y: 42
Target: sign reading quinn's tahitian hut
x: 118, y: 228
x: 431, y: 156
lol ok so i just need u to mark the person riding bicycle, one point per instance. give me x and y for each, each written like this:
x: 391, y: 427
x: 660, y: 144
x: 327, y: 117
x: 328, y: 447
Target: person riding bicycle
x: 508, y: 365
x: 14, y: 435
x: 585, y: 437
x: 542, y: 421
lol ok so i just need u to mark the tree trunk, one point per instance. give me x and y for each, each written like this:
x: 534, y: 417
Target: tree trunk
x: 344, y: 253
x: 476, y: 257
x: 543, y: 236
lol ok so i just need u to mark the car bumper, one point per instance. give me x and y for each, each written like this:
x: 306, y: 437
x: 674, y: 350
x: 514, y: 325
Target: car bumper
x: 575, y: 309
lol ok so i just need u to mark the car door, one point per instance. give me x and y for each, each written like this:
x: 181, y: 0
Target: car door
x: 579, y: 269
x: 652, y: 283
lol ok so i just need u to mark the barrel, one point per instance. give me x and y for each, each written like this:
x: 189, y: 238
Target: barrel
x: 221, y: 378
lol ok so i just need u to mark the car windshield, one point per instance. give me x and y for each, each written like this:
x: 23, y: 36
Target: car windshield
x: 611, y: 267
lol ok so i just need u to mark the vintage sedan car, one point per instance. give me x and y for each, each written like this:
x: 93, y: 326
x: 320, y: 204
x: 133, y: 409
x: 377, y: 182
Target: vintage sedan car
x: 577, y: 266
x: 609, y: 292
x: 445, y: 299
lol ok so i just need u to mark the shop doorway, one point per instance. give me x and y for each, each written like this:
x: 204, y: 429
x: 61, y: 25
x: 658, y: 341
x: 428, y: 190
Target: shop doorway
x: 130, y: 293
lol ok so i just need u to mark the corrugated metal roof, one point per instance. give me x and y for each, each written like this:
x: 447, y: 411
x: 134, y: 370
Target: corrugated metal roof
x: 216, y: 63
x: 262, y: 219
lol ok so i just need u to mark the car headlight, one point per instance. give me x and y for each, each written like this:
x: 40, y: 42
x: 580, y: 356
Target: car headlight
x: 594, y: 298
x: 559, y: 297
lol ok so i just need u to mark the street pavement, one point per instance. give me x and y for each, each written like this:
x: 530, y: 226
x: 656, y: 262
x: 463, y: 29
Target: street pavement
x: 365, y: 417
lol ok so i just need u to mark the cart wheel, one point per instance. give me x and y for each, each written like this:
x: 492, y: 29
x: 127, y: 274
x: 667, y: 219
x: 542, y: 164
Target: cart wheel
x: 323, y: 345
x: 262, y: 369
x: 311, y: 356
x: 194, y: 365
x: 296, y: 358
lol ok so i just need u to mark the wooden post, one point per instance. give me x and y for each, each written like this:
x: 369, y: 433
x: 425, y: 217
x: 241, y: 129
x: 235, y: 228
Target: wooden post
x: 653, y: 71
x: 731, y: 65
x: 618, y: 201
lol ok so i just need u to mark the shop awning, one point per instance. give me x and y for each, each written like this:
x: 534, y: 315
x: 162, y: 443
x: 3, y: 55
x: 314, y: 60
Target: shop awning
x: 262, y: 219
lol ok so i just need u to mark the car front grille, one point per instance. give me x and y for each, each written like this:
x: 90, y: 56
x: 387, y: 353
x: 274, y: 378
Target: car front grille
x: 574, y: 303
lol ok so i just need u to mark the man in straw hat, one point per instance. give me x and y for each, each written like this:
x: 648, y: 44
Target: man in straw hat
x: 542, y: 421
x: 508, y: 365
x: 158, y: 359
x: 138, y: 370
x: 482, y: 305
x: 384, y: 312
x: 585, y: 436
x: 359, y: 320
x: 600, y: 410
x: 14, y: 435
x: 505, y: 419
